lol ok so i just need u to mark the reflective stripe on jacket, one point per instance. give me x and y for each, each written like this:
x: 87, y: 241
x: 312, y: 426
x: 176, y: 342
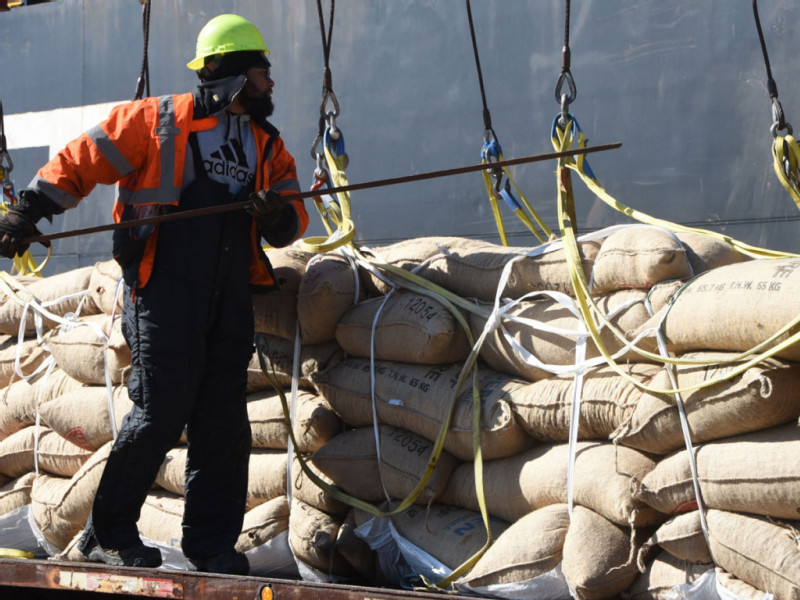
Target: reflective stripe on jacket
x: 141, y: 147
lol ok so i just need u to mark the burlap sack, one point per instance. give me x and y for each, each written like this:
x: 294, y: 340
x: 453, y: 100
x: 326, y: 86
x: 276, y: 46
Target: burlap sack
x: 315, y: 423
x: 734, y: 308
x: 763, y: 396
x: 411, y: 328
x: 682, y: 537
x: 521, y: 483
x: 740, y: 589
x: 31, y: 353
x: 308, y: 491
x: 266, y: 474
x: 351, y: 461
x: 328, y: 289
x: 417, y: 398
x: 60, y: 506
x: 16, y: 452
x: 275, y: 312
x: 626, y: 310
x: 47, y: 494
x: 312, y: 537
x: 761, y: 552
x: 473, y: 268
x: 544, y: 408
x: 160, y: 519
x: 82, y: 416
x: 662, y: 574
x: 58, y: 456
x: 450, y: 534
x: 279, y: 362
x: 72, y: 551
x: 407, y: 254
x: 16, y: 493
x: 263, y: 523
x: 638, y: 257
x: 526, y: 549
x: 80, y: 350
x: 172, y: 472
x: 706, y: 252
x: 598, y: 557
x: 267, y: 422
x: 18, y: 401
x: 105, y: 287
x: 748, y: 473
x: 55, y: 289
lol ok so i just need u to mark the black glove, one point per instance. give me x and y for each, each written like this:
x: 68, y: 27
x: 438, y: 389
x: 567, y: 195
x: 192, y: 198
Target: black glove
x: 20, y: 222
x: 266, y: 207
x: 14, y: 227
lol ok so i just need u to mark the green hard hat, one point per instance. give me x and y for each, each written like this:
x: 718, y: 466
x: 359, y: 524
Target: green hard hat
x: 224, y: 34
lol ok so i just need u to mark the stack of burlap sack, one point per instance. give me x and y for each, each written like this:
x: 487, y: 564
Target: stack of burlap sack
x: 49, y: 474
x: 613, y: 514
x: 405, y: 352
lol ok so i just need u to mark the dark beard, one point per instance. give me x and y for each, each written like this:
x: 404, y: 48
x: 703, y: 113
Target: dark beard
x: 258, y: 108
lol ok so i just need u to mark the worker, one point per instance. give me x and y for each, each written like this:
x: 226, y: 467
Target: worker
x: 187, y: 310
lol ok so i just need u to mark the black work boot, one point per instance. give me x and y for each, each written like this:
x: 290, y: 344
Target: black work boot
x: 135, y: 556
x: 229, y: 562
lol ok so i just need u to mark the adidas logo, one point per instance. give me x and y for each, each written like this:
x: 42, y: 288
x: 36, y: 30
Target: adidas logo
x: 229, y: 161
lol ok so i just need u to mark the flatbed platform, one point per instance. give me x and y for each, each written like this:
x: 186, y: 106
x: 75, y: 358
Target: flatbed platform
x: 45, y: 579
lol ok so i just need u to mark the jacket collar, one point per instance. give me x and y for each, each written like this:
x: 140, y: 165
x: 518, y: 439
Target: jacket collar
x: 212, y: 97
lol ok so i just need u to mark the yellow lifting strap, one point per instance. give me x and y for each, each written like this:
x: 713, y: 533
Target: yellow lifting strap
x: 579, y: 166
x: 14, y: 553
x: 562, y: 138
x: 25, y: 264
x: 786, y: 159
x: 785, y: 151
x: 335, y: 217
x: 496, y: 191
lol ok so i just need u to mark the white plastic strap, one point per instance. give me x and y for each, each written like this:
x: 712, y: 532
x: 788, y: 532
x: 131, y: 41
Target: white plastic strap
x: 662, y: 348
x: 375, y: 429
x: 575, y: 416
x: 372, y: 381
x: 293, y: 410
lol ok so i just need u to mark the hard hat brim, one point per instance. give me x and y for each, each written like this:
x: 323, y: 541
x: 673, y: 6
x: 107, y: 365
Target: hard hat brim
x: 197, y: 63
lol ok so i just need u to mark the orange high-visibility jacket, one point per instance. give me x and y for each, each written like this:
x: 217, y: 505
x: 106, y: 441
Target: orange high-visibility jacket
x: 141, y: 147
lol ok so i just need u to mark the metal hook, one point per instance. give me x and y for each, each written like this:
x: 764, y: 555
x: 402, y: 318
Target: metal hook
x: 314, y: 144
x: 328, y: 97
x: 497, y: 175
x: 334, y: 132
x: 566, y: 76
x: 778, y: 119
x: 564, y: 118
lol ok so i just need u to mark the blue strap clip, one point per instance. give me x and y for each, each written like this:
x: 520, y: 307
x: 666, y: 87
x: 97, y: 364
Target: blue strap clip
x: 575, y: 130
x: 509, y: 198
x: 336, y: 147
x: 491, y: 150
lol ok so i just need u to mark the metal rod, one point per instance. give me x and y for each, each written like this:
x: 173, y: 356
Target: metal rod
x: 186, y: 214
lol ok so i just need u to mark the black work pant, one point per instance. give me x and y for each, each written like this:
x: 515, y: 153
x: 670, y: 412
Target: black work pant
x: 188, y: 369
